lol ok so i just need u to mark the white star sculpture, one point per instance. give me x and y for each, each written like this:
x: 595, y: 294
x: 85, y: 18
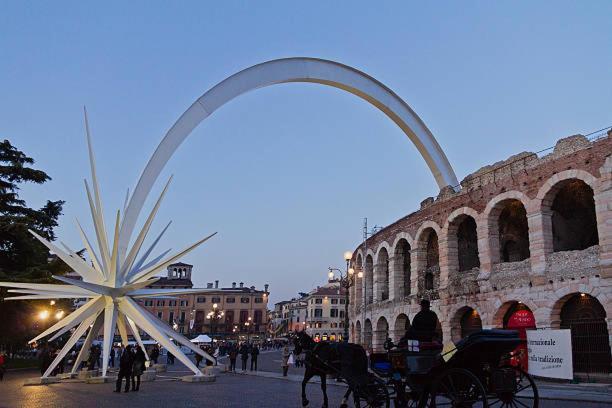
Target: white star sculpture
x: 111, y: 283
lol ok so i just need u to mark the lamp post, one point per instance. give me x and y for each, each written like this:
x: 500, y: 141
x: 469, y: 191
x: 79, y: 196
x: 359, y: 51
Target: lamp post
x: 347, y: 280
x: 214, y: 316
x: 248, y: 324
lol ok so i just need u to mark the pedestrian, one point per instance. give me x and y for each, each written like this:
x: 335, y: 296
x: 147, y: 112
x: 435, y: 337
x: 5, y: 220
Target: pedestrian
x: 138, y: 367
x: 125, y: 369
x: 2, y: 368
x: 285, y: 360
x: 233, y: 354
x: 198, y: 358
x: 112, y: 357
x: 244, y: 355
x: 155, y: 354
x: 254, y: 354
x: 44, y: 358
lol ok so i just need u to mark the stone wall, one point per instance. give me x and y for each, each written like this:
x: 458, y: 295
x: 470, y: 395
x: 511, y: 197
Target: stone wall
x: 543, y: 281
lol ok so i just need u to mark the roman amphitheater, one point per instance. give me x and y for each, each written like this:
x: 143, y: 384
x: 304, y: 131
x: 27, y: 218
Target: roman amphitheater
x: 524, y: 243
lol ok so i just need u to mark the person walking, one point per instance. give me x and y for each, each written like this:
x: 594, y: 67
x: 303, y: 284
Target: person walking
x: 2, y: 368
x: 254, y: 354
x: 244, y: 355
x: 233, y: 354
x: 125, y: 369
x: 198, y: 359
x: 112, y: 357
x: 137, y: 368
x: 155, y: 354
x: 285, y: 360
x: 169, y: 357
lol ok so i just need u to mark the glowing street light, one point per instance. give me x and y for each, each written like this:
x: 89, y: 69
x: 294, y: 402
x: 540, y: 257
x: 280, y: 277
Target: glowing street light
x: 43, y: 315
x: 59, y: 314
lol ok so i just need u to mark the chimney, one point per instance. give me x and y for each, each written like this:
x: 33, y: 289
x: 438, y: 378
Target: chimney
x: 209, y: 285
x: 216, y: 284
x: 266, y: 287
x: 234, y: 285
x: 242, y: 284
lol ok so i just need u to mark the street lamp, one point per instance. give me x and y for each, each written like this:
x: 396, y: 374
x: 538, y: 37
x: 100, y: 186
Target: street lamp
x: 214, y: 316
x: 43, y: 315
x: 347, y: 280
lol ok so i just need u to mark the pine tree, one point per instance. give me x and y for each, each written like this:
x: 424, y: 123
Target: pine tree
x: 21, y: 255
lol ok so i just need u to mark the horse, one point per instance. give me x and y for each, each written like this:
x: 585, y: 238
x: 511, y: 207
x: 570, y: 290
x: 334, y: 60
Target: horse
x: 322, y: 359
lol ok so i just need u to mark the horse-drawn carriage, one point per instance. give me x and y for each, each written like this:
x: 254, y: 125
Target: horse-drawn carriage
x: 474, y: 373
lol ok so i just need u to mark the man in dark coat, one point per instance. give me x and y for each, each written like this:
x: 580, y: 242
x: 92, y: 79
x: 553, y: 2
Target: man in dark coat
x: 423, y: 326
x: 125, y: 369
x: 244, y: 355
x: 138, y: 368
x: 254, y: 354
x: 233, y: 354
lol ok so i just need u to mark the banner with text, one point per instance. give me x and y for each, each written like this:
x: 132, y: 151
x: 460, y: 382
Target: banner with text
x: 550, y: 353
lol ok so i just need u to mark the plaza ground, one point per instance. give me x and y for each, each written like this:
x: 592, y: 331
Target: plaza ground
x: 264, y: 389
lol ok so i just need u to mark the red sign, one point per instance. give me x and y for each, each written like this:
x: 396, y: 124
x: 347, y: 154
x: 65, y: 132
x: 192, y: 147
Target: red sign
x: 521, y: 320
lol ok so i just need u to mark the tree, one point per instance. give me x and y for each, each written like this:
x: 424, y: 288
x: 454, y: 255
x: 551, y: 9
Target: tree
x: 22, y: 257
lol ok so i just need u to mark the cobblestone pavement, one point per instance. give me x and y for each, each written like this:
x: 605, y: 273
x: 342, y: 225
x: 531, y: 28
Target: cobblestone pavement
x: 230, y: 390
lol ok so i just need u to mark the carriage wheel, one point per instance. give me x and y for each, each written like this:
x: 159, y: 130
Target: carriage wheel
x: 372, y: 395
x: 525, y: 394
x: 458, y: 387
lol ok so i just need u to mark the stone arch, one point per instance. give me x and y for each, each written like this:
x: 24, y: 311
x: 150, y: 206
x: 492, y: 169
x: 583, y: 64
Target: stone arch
x: 402, y: 323
x: 381, y: 334
x: 358, y: 338
x: 507, y: 227
x: 463, y: 260
x: 401, y: 268
x: 465, y: 321
x: 367, y: 334
x: 567, y: 205
x: 587, y: 319
x: 427, y: 259
x: 357, y: 300
x: 278, y: 71
x: 368, y: 274
x: 381, y: 275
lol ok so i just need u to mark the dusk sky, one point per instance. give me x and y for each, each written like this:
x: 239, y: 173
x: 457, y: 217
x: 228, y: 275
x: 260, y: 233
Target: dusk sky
x: 286, y: 174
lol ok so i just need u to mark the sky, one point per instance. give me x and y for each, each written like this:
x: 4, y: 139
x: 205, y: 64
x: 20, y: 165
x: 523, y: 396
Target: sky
x: 287, y: 173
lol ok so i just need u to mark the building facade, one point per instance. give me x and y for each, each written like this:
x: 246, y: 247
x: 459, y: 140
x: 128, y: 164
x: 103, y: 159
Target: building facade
x: 325, y: 312
x: 244, y: 309
x: 526, y: 241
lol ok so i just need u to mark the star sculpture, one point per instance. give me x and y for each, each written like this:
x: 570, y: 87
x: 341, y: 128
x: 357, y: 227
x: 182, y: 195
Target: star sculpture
x: 112, y: 284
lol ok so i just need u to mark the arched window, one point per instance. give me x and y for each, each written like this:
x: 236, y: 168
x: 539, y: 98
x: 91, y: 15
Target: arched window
x: 382, y: 272
x: 467, y: 244
x: 369, y: 279
x: 402, y: 268
x: 513, y: 231
x: 574, y: 225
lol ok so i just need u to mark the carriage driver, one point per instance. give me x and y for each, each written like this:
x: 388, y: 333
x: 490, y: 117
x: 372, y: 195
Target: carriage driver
x: 423, y: 326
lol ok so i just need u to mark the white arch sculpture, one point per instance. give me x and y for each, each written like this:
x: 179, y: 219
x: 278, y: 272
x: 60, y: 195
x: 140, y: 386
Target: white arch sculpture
x: 299, y: 69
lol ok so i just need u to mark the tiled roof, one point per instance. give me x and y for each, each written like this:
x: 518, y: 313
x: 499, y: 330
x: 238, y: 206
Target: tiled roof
x: 173, y: 282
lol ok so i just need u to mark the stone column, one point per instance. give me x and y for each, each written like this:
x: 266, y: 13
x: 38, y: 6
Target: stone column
x: 540, y: 241
x: 603, y: 212
x: 485, y: 251
x: 395, y: 280
x: 448, y: 257
x: 418, y: 259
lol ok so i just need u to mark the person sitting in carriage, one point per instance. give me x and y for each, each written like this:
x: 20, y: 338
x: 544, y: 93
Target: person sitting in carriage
x: 423, y: 326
